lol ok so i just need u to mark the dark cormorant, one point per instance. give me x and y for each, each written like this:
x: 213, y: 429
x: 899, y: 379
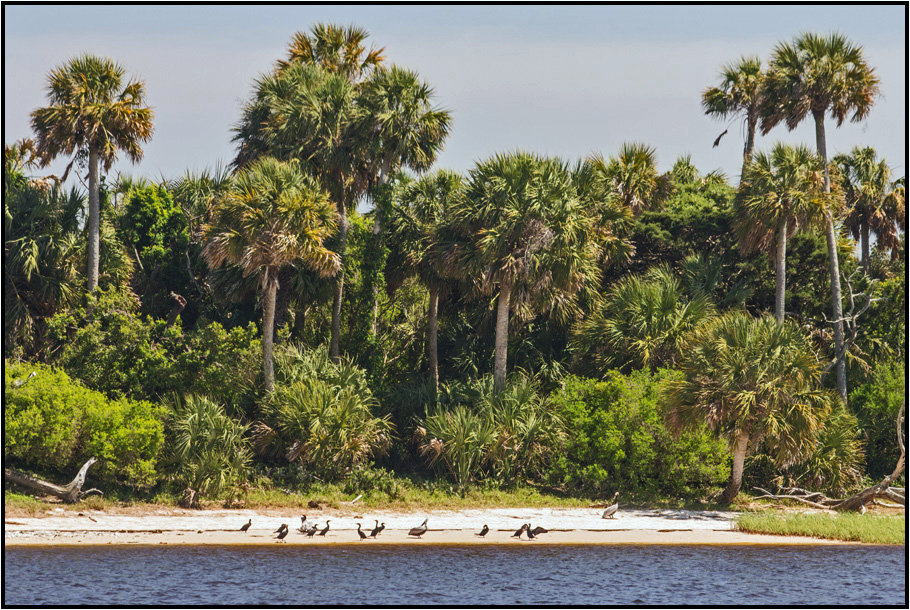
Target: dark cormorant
x: 538, y: 530
x: 420, y: 530
x: 360, y: 532
x: 284, y: 532
x: 312, y: 531
x: 484, y: 531
x: 529, y: 532
x: 283, y: 527
x: 377, y: 530
x: 246, y: 525
x: 611, y: 510
x: 517, y: 534
x: 325, y: 530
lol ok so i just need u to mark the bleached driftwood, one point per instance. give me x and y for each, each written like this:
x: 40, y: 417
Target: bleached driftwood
x: 71, y: 493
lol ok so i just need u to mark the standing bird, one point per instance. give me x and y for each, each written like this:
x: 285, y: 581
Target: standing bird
x: 611, y: 510
x: 283, y: 532
x: 538, y: 530
x: 326, y: 529
x: 484, y: 531
x: 377, y: 530
x: 246, y: 525
x: 312, y: 531
x: 360, y: 532
x: 517, y: 534
x: 283, y: 527
x: 302, y: 529
x: 529, y: 532
x: 419, y: 531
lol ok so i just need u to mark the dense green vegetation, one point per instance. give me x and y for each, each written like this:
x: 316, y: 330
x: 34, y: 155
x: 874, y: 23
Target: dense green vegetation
x: 539, y: 329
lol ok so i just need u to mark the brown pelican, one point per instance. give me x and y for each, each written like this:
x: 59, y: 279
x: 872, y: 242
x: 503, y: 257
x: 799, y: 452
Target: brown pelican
x: 312, y: 531
x: 538, y: 530
x: 517, y: 534
x: 360, y: 532
x: 302, y: 529
x: 611, y: 510
x: 283, y: 531
x: 325, y: 530
x: 484, y: 531
x: 246, y: 525
x: 377, y: 530
x: 419, y: 531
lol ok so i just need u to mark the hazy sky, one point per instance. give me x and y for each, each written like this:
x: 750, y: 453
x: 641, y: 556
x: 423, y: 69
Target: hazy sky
x: 557, y: 80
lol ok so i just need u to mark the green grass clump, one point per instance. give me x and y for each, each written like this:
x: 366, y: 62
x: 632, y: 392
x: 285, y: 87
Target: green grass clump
x: 870, y: 529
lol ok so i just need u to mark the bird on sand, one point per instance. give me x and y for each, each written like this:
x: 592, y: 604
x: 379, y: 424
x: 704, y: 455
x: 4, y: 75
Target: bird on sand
x: 302, y: 529
x: 420, y: 530
x: 312, y: 531
x: 484, y: 531
x: 325, y: 530
x: 283, y: 527
x: 521, y: 530
x: 246, y: 525
x: 529, y: 532
x: 361, y: 533
x: 538, y: 530
x: 611, y: 510
x: 377, y: 530
x: 284, y: 532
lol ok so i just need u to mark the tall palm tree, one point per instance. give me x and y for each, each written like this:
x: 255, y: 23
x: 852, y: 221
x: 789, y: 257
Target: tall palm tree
x: 633, y: 177
x: 337, y: 49
x: 643, y: 322
x: 416, y: 227
x: 526, y: 234
x: 875, y: 202
x: 740, y: 93
x: 272, y: 215
x: 306, y: 113
x: 751, y: 379
x: 403, y: 129
x: 93, y: 113
x: 780, y: 193
x: 821, y: 75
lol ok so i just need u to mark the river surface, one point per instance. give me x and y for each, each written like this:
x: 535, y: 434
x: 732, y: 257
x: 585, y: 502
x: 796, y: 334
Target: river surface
x: 446, y: 575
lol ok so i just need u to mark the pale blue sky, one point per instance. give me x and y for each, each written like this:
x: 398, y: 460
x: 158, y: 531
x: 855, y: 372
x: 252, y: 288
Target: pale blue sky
x: 556, y: 80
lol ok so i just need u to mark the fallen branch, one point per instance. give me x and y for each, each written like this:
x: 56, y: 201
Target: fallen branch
x: 69, y: 493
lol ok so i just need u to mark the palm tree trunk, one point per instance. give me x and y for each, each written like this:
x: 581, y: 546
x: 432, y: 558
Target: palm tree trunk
x: 431, y: 337
x: 502, y: 335
x: 377, y: 230
x: 864, y: 243
x: 268, y: 329
x: 94, y: 220
x: 751, y: 124
x: 335, y: 349
x: 836, y: 305
x: 780, y: 266
x: 283, y: 296
x: 736, y: 474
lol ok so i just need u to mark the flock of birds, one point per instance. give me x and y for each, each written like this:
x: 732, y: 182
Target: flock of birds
x: 311, y: 530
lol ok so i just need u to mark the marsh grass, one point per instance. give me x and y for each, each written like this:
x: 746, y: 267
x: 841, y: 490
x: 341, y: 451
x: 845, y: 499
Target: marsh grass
x: 872, y: 529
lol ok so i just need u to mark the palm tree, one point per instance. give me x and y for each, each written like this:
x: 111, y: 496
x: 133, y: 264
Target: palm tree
x: 305, y: 113
x: 525, y: 233
x: 633, y: 177
x: 780, y: 193
x: 272, y: 215
x: 818, y: 75
x: 751, y: 379
x: 740, y: 93
x: 416, y: 227
x: 403, y: 129
x: 92, y: 113
x: 337, y: 49
x: 875, y: 202
x: 642, y: 323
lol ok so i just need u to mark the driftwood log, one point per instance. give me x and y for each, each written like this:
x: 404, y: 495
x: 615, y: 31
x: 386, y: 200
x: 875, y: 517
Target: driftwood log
x: 69, y: 493
x: 857, y: 502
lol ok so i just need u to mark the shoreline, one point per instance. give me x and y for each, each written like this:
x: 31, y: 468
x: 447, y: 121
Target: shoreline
x: 573, y: 526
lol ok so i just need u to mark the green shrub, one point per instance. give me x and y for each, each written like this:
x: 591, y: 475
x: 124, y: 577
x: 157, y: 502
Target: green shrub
x: 207, y: 451
x: 617, y: 440
x: 54, y: 423
x: 876, y: 405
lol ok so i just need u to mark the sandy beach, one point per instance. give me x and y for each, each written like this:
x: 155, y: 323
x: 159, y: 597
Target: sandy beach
x: 221, y: 527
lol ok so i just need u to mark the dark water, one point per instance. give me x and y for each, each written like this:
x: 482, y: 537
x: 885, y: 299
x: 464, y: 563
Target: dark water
x: 393, y: 575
